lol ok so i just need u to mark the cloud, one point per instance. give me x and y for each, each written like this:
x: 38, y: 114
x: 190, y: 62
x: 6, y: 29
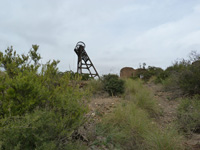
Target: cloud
x: 116, y: 33
x: 164, y: 43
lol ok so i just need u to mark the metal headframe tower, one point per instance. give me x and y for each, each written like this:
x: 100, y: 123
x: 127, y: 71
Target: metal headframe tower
x: 84, y: 62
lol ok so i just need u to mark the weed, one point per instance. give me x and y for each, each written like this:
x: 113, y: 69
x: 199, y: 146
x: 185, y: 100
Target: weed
x: 135, y: 91
x: 168, y: 139
x: 124, y: 126
x: 129, y: 127
x: 98, y: 113
x: 95, y: 86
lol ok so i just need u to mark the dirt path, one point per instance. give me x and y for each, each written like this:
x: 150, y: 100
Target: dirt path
x: 98, y: 107
x: 167, y: 103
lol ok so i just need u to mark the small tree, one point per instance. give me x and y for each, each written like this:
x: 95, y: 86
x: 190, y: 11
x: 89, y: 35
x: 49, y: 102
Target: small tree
x: 113, y: 85
x: 38, y: 109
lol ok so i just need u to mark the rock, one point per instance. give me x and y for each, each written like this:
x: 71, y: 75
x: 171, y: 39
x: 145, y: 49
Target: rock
x: 93, y: 114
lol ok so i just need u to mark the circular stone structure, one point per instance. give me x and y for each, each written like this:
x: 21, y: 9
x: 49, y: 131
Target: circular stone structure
x: 127, y: 72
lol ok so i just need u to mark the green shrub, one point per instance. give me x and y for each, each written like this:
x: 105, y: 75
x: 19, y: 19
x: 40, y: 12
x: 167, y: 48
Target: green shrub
x: 38, y: 130
x: 148, y: 73
x: 161, y: 77
x: 171, y: 83
x: 184, y: 75
x: 140, y: 72
x: 112, y: 84
x: 21, y: 90
x: 38, y: 109
x: 152, y: 71
x: 26, y: 89
x: 188, y: 114
x: 21, y: 94
x: 189, y: 79
x: 13, y: 63
x: 85, y: 77
x: 74, y: 76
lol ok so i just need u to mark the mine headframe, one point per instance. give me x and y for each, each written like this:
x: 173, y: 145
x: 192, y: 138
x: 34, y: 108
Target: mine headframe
x: 84, y: 65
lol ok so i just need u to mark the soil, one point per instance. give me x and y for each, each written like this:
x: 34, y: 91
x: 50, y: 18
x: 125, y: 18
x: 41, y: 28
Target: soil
x: 98, y: 107
x: 169, y: 101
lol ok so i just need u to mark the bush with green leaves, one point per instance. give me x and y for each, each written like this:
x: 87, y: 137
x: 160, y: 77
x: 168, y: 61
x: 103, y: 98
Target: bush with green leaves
x: 85, y: 77
x: 184, y: 75
x: 22, y: 93
x: 189, y: 114
x: 42, y: 129
x: 161, y: 77
x: 113, y: 84
x: 152, y: 71
x: 40, y: 108
x: 148, y: 73
x: 175, y: 70
x: 189, y: 79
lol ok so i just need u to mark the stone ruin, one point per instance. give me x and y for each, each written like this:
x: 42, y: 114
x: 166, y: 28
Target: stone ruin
x: 127, y: 72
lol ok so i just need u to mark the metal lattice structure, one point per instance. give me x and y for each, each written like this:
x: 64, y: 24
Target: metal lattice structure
x: 84, y: 63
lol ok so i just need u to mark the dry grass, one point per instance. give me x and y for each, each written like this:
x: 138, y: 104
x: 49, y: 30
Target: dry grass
x: 141, y: 96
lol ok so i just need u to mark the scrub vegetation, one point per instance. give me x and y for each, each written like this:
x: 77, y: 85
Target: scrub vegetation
x: 132, y: 125
x: 42, y: 108
x: 38, y: 109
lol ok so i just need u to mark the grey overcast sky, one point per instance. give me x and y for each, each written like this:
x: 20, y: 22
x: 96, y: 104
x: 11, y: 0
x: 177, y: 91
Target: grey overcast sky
x: 117, y: 33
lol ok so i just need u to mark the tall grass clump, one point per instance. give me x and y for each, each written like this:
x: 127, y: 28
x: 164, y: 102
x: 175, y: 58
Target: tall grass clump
x: 136, y: 92
x: 125, y: 126
x: 95, y: 86
x: 129, y: 127
x: 168, y: 139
